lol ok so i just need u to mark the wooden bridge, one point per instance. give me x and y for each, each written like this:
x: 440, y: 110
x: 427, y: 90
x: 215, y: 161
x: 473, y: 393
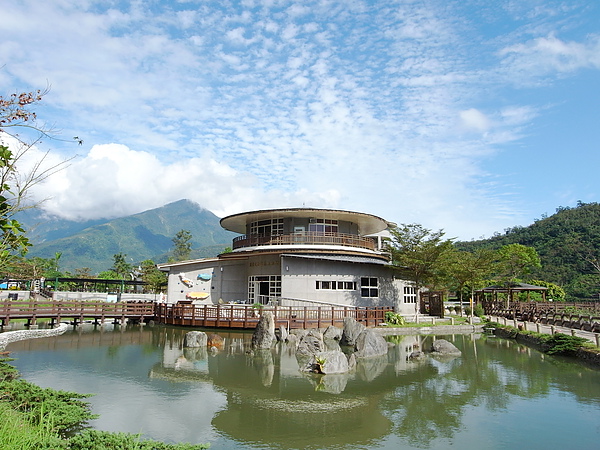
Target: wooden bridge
x: 210, y: 316
x: 247, y: 317
x: 75, y: 311
x: 581, y: 316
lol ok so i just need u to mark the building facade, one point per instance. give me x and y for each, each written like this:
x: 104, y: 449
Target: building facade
x: 300, y: 256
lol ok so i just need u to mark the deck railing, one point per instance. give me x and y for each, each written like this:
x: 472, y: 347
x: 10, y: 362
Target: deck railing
x: 247, y: 317
x: 305, y: 238
x: 76, y: 310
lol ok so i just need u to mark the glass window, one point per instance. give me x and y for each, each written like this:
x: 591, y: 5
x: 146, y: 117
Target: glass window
x: 369, y: 287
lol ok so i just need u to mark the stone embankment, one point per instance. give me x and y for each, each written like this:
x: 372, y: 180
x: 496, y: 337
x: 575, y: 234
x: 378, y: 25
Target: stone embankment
x: 20, y: 335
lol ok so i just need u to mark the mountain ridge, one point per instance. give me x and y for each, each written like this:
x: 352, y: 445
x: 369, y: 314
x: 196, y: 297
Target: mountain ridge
x: 141, y: 236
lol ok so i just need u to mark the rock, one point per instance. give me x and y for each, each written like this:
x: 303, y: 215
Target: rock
x: 264, y: 334
x: 195, y: 339
x: 443, y: 347
x: 334, y: 333
x: 369, y: 344
x: 309, y: 345
x: 215, y: 340
x: 352, y: 330
x: 416, y: 355
x: 283, y: 334
x: 328, y: 363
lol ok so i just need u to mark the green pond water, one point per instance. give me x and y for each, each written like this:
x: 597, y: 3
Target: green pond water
x: 497, y: 395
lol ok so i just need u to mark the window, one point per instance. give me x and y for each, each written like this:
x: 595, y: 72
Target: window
x: 337, y: 285
x: 323, y: 226
x: 264, y: 288
x: 269, y: 227
x: 369, y: 287
x: 410, y: 295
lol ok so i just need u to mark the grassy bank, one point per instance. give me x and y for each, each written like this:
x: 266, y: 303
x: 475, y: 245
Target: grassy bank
x: 32, y: 417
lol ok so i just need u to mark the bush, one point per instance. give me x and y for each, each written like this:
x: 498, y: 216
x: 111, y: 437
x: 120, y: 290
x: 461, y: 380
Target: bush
x: 563, y: 344
x: 103, y: 440
x: 468, y: 310
x: 478, y: 311
x: 394, y: 318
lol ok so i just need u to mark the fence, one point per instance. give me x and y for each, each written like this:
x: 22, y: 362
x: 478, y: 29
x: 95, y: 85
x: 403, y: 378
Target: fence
x: 247, y: 317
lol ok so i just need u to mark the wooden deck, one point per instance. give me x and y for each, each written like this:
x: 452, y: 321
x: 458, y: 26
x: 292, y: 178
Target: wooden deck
x: 75, y: 311
x: 247, y: 317
x: 232, y: 316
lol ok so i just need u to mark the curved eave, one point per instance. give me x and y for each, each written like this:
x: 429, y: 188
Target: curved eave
x: 367, y: 223
x: 295, y: 249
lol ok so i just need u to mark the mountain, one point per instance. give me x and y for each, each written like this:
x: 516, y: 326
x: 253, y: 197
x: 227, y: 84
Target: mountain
x: 147, y: 235
x: 566, y: 242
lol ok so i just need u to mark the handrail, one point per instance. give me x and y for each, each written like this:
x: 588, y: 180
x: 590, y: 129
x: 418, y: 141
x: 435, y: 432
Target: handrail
x: 244, y: 316
x: 305, y: 238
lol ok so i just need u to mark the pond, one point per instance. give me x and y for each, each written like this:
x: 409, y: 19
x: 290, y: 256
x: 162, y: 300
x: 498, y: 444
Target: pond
x: 498, y: 394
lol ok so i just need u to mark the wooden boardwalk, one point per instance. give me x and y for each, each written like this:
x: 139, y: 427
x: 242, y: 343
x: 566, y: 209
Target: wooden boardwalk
x: 75, y: 311
x: 232, y: 316
x: 247, y: 317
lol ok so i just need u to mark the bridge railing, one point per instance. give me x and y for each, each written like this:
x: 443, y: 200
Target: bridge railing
x: 245, y: 316
x: 55, y: 310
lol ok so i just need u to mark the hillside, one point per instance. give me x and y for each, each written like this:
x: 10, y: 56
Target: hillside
x: 565, y: 242
x: 147, y: 235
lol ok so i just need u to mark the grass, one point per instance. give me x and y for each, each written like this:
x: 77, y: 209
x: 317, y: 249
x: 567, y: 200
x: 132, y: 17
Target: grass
x: 458, y: 320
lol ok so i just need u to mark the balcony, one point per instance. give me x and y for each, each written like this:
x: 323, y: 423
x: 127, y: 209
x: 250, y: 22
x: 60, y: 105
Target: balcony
x: 307, y: 238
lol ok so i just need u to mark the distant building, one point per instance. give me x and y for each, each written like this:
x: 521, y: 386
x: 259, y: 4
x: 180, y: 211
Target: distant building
x: 299, y: 256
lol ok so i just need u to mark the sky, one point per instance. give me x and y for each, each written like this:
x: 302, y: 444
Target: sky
x: 471, y: 116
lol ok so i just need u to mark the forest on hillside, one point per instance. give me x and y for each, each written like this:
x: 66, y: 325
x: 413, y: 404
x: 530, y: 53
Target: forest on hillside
x: 568, y: 243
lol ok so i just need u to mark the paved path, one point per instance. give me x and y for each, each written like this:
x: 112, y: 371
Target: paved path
x: 549, y: 329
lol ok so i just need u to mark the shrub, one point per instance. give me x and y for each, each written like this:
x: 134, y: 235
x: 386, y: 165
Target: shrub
x: 563, y: 344
x: 103, y: 440
x: 478, y: 311
x: 394, y: 318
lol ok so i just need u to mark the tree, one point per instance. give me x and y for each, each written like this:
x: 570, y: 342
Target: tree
x: 470, y: 269
x: 121, y: 267
x: 517, y: 260
x: 419, y: 253
x: 155, y: 279
x: 183, y: 245
x: 15, y: 114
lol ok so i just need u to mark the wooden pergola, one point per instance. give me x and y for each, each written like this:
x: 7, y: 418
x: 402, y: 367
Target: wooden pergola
x: 509, y: 289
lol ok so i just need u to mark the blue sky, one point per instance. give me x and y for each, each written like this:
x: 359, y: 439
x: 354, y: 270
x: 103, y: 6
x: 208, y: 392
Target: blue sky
x: 469, y: 116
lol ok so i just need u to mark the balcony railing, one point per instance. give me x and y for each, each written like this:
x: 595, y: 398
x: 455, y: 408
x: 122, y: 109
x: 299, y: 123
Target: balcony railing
x: 305, y: 238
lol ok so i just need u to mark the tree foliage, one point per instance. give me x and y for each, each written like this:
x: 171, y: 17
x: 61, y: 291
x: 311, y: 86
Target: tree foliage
x: 121, y: 267
x: 419, y: 253
x: 183, y: 245
x: 568, y: 244
x: 15, y: 114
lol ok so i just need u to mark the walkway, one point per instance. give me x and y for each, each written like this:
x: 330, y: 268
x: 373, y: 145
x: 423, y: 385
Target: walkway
x: 548, y: 329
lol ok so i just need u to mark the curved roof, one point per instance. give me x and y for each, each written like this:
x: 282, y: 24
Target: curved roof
x: 367, y: 223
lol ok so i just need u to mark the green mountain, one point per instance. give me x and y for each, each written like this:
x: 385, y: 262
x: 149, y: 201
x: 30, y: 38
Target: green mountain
x: 568, y: 243
x: 147, y: 235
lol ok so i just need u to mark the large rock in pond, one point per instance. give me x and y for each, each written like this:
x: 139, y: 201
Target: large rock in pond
x: 441, y: 347
x: 195, y: 339
x: 264, y: 334
x: 352, y: 330
x: 369, y: 344
x: 310, y: 344
x: 333, y: 332
x: 329, y: 362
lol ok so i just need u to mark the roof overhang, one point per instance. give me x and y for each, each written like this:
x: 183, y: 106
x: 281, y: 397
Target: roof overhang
x: 367, y: 223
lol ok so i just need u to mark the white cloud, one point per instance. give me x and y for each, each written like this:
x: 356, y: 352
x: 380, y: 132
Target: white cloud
x: 387, y: 107
x: 473, y: 119
x: 546, y: 55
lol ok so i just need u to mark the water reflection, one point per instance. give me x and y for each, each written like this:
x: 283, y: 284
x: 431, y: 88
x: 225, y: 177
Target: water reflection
x: 235, y: 399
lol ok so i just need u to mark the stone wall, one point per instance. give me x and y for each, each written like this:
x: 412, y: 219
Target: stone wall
x: 20, y: 335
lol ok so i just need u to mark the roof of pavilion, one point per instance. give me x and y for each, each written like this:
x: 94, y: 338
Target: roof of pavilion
x: 512, y: 287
